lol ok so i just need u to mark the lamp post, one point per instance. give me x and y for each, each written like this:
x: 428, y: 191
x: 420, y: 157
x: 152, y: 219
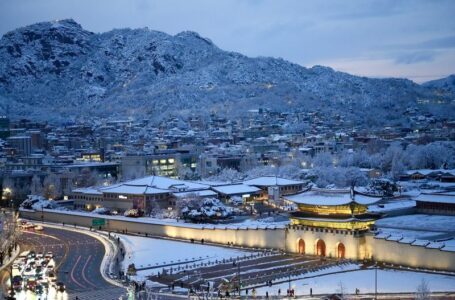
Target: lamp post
x: 375, y: 277
x: 238, y: 271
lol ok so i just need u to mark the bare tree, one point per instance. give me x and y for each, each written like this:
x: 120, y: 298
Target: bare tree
x: 341, y: 289
x: 423, y: 291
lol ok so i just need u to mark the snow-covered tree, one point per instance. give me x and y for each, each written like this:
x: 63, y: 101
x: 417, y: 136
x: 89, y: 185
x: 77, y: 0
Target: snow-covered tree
x: 323, y: 159
x: 52, y: 187
x: 227, y: 175
x: 88, y: 178
x: 338, y: 176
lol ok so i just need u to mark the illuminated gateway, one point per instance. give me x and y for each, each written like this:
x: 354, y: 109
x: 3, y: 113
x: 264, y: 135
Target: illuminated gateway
x: 331, y: 222
x: 337, y: 209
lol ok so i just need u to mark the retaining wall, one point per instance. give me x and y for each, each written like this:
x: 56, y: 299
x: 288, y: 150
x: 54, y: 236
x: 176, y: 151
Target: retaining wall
x: 357, y: 247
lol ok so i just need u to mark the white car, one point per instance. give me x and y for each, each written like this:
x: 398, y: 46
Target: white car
x: 39, y: 228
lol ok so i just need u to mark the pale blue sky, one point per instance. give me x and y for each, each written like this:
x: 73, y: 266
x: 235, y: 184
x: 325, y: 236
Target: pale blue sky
x: 413, y: 39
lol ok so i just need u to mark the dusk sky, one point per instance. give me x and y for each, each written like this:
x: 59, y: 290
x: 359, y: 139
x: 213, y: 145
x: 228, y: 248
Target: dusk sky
x: 412, y: 39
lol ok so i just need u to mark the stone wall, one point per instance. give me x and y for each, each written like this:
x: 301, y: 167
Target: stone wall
x: 357, y: 246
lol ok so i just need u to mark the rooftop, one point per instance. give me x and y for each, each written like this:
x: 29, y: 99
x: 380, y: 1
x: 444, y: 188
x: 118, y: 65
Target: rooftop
x: 331, y: 198
x: 271, y: 181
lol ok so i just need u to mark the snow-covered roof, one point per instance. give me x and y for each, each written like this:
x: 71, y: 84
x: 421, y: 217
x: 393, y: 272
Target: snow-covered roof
x: 236, y: 189
x: 449, y: 246
x: 88, y: 190
x: 420, y: 243
x: 407, y: 240
x: 134, y: 190
x: 167, y: 183
x: 330, y: 198
x: 394, y: 238
x: 382, y: 235
x: 437, y: 198
x: 395, y: 205
x: 147, y: 186
x: 203, y: 193
x: 271, y: 181
x: 435, y: 245
x: 429, y: 171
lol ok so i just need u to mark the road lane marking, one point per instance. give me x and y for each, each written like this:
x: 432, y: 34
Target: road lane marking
x: 72, y: 273
x: 83, y: 272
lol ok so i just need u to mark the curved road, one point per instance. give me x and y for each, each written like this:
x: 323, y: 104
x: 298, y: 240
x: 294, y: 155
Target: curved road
x: 78, y: 258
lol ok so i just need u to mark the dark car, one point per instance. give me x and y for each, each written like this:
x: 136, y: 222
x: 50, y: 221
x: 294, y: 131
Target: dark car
x: 60, y: 287
x: 39, y: 289
x: 17, y: 283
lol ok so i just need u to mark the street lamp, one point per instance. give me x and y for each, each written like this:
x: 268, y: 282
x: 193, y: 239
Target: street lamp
x: 375, y: 278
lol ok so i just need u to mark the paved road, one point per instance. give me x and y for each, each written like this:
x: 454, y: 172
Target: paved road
x: 78, y: 258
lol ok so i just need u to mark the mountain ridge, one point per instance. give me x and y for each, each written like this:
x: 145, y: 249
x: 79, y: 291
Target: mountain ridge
x: 62, y: 69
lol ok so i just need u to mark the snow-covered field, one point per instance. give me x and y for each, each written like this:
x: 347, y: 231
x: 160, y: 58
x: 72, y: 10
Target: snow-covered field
x: 148, y: 252
x: 419, y: 222
x: 389, y: 281
x: 413, y: 234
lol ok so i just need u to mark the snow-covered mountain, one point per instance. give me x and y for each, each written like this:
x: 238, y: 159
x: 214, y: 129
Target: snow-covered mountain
x: 58, y: 70
x: 446, y: 84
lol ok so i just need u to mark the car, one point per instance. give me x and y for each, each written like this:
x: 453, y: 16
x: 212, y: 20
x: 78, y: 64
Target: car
x: 31, y: 284
x: 16, y: 266
x: 49, y: 255
x: 51, y: 275
x: 39, y: 255
x: 60, y: 287
x: 28, y: 271
x: 39, y: 289
x: 17, y: 278
x: 39, y: 228
x: 38, y: 270
x: 31, y: 254
x: 17, y: 286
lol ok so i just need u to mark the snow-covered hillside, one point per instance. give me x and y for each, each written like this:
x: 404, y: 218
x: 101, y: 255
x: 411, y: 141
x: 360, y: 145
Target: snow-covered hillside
x: 61, y: 69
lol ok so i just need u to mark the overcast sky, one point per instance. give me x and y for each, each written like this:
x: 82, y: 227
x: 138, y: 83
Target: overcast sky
x: 413, y: 39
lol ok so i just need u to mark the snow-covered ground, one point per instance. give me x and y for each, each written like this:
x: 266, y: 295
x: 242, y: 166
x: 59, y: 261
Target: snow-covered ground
x: 392, y: 205
x: 412, y: 234
x: 419, y: 222
x: 389, y: 281
x: 148, y: 252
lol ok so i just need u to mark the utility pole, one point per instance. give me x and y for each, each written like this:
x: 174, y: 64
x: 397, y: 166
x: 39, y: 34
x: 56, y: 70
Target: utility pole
x: 289, y: 281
